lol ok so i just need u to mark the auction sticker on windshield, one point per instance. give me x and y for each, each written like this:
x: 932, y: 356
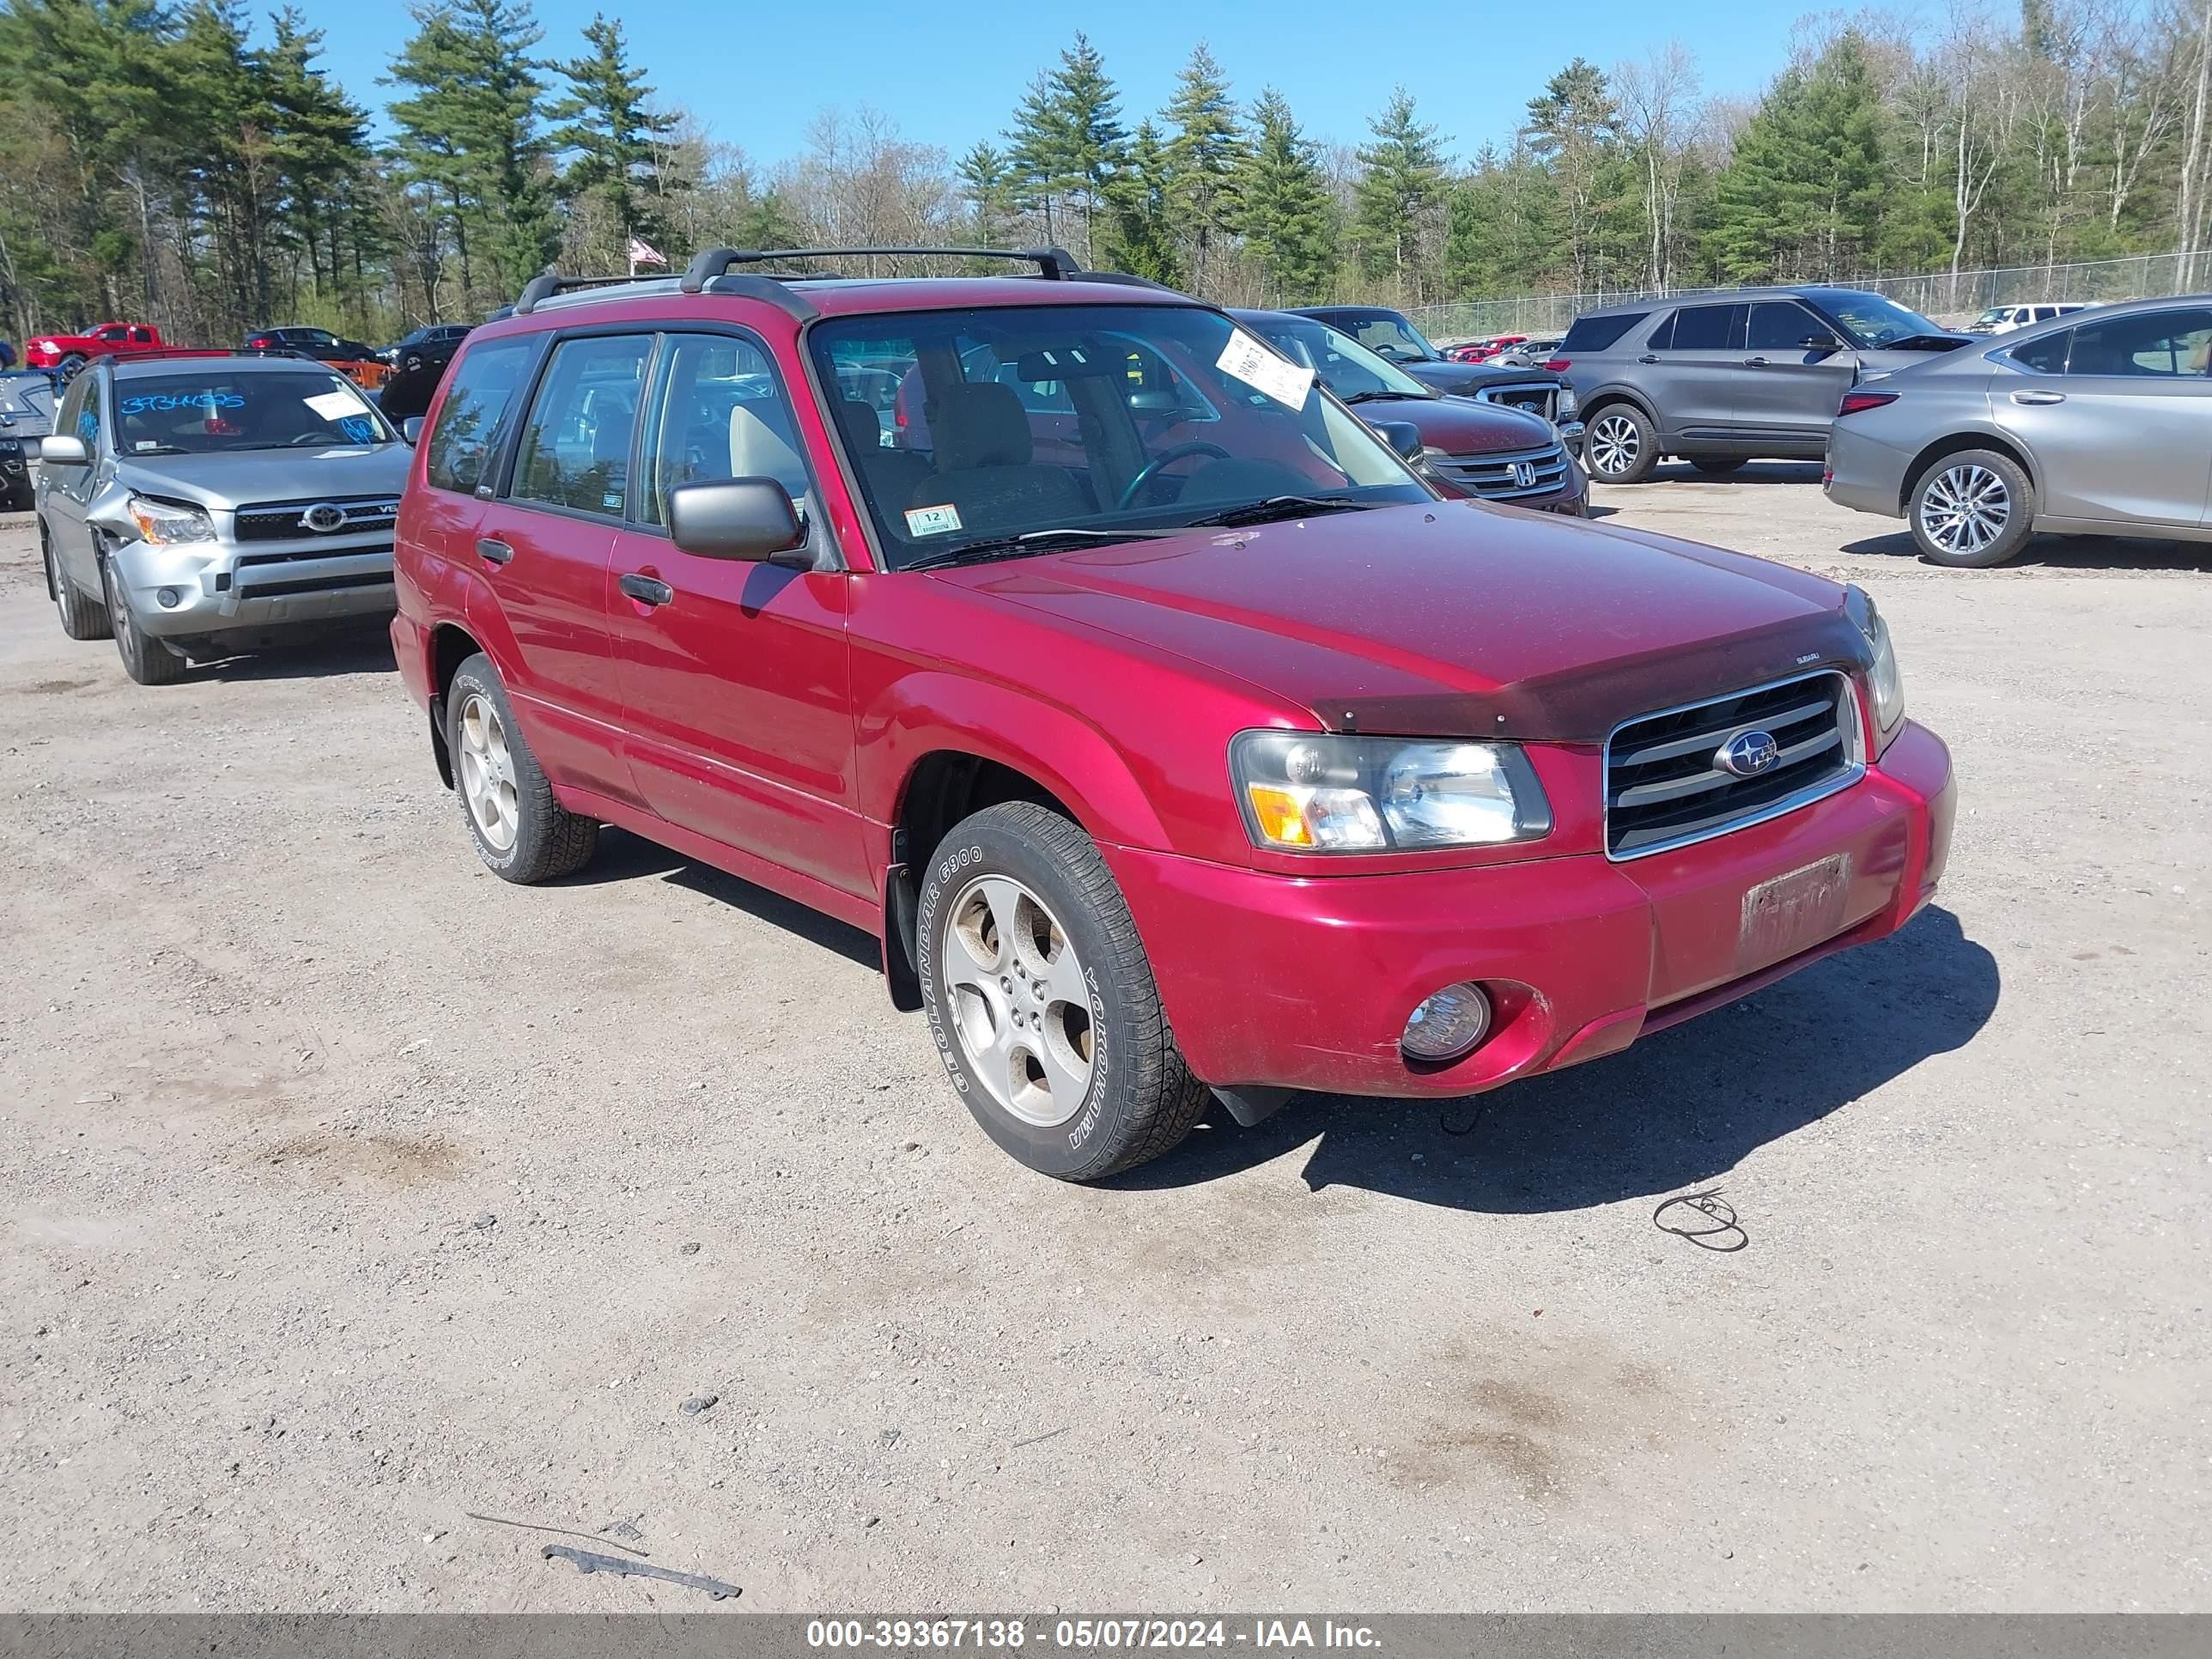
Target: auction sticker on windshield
x: 932, y: 520
x: 1262, y: 370
x: 332, y: 404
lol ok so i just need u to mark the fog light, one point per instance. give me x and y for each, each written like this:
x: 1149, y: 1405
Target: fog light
x: 168, y: 597
x: 1448, y: 1024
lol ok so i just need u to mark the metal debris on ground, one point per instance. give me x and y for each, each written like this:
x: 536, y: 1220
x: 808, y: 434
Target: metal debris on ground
x: 589, y: 1561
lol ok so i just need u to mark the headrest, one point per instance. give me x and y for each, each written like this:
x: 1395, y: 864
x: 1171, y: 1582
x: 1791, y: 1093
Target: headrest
x: 980, y: 425
x: 757, y: 451
x: 857, y: 421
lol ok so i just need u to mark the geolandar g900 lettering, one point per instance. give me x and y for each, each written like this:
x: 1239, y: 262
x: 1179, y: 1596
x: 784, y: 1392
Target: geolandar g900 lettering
x: 1176, y: 738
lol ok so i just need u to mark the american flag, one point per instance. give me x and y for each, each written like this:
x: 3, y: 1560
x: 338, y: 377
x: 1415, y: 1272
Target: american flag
x: 642, y: 253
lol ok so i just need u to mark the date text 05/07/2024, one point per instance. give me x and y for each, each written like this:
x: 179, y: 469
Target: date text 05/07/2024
x: 1093, y: 1635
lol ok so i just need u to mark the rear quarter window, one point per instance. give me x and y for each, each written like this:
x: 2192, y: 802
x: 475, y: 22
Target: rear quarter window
x: 2047, y: 356
x: 478, y: 408
x: 1597, y: 333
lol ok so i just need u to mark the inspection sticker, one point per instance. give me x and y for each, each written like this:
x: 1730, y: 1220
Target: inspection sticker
x: 932, y: 520
x: 1261, y: 368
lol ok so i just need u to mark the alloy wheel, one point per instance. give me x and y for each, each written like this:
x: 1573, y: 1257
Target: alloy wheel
x: 1019, y: 999
x: 1964, y: 508
x: 1614, y: 444
x: 487, y: 772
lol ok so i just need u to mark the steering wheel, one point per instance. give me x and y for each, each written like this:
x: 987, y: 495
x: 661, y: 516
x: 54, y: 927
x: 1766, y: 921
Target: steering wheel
x: 1135, y: 487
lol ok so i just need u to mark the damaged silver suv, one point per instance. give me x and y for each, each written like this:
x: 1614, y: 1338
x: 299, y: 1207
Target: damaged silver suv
x: 195, y: 504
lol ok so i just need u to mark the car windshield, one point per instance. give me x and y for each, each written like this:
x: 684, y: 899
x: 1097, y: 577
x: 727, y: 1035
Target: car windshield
x: 1994, y: 315
x: 1345, y: 367
x: 987, y: 433
x: 1387, y: 332
x: 219, y: 409
x: 34, y: 392
x: 1874, y: 319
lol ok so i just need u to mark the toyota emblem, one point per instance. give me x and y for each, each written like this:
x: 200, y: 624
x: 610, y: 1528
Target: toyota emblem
x: 323, y: 518
x: 1747, y: 754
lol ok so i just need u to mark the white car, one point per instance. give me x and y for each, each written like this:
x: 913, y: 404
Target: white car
x: 2002, y: 319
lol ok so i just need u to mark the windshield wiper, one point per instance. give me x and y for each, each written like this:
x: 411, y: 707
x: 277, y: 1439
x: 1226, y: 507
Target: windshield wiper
x: 1372, y: 394
x: 1280, y: 507
x: 1030, y: 541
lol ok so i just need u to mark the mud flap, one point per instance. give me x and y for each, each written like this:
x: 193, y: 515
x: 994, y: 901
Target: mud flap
x: 1251, y: 1106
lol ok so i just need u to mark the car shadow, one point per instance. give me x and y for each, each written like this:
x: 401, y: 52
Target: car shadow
x: 2063, y: 553
x: 326, y: 652
x: 625, y: 857
x: 1751, y: 472
x: 1676, y: 1109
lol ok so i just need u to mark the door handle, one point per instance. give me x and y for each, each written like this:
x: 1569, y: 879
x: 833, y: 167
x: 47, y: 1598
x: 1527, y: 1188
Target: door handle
x: 492, y: 551
x: 1649, y: 357
x: 2038, y: 396
x: 646, y: 590
x: 1754, y: 362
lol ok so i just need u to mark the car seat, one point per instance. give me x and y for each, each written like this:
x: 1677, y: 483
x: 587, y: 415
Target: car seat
x: 985, y: 468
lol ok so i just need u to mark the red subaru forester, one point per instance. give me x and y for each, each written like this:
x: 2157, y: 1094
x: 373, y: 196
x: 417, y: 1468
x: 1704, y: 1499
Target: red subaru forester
x: 1173, y: 737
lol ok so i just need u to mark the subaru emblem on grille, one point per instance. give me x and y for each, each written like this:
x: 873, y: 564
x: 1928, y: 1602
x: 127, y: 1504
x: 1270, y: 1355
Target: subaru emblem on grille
x: 1524, y: 473
x: 323, y: 518
x: 1747, y: 754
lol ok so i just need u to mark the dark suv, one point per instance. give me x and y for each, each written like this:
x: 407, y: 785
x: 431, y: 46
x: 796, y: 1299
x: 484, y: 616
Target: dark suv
x: 1391, y: 334
x: 1175, y: 738
x: 1719, y: 378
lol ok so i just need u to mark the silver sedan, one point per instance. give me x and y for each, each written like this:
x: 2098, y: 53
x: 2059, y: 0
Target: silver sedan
x: 2097, y: 424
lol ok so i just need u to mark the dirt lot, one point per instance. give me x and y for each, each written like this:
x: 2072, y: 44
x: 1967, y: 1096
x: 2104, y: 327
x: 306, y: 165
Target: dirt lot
x: 351, y: 1196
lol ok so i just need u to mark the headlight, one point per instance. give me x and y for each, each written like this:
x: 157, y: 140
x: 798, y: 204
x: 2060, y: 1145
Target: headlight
x: 1883, y: 679
x: 1567, y: 405
x: 1310, y: 791
x: 162, y: 523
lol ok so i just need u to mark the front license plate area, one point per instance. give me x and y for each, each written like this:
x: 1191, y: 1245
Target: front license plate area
x: 1793, y: 912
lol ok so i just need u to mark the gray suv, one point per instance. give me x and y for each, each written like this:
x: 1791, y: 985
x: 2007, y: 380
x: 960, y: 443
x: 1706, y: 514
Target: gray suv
x: 192, y: 504
x: 1717, y: 379
x: 2099, y: 424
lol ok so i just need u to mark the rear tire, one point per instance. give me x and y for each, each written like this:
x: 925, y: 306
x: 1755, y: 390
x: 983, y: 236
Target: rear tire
x: 1041, y: 1001
x: 1619, y: 446
x: 70, y: 367
x: 1972, y: 509
x: 82, y: 618
x: 145, y: 658
x: 521, y: 832
x: 1717, y: 466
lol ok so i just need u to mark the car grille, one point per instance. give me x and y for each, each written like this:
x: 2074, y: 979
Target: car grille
x: 284, y: 521
x: 1510, y: 476
x: 1537, y: 397
x: 1663, y: 789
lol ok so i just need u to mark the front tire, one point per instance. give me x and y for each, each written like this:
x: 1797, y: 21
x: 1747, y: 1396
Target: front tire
x: 1619, y: 446
x: 145, y: 658
x: 1041, y: 1000
x: 521, y: 832
x: 1972, y: 509
x: 82, y: 618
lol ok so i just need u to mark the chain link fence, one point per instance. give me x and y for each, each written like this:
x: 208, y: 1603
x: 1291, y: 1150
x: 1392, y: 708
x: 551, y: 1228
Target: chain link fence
x: 1941, y: 296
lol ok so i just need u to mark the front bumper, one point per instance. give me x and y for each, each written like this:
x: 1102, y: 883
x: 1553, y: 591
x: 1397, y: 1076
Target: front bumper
x: 198, y: 588
x: 1306, y: 983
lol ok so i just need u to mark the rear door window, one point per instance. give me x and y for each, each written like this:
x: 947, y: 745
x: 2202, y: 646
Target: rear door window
x: 2156, y: 344
x: 1709, y: 328
x: 573, y: 450
x: 472, y: 421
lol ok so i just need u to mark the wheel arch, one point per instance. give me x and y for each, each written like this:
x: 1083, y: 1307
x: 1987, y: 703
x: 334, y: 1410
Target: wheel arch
x: 451, y: 645
x: 1956, y: 442
x: 1588, y: 410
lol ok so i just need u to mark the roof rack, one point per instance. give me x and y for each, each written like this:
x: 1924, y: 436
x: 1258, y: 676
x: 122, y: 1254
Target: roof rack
x: 1055, y: 263
x: 547, y: 283
x: 119, y: 359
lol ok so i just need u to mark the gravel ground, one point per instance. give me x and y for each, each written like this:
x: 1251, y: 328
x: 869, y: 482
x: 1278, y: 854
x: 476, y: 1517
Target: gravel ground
x: 362, y: 1212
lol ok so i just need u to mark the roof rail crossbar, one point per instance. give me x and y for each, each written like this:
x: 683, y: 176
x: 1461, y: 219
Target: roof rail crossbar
x: 157, y: 353
x: 1056, y: 263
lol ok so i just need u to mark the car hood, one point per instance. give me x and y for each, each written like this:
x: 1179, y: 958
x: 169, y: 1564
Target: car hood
x: 1451, y: 618
x: 270, y: 475
x: 1472, y: 377
x: 1458, y: 426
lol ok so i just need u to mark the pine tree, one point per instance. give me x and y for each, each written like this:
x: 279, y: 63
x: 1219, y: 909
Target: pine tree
x: 986, y: 180
x: 614, y: 137
x: 1288, y: 216
x: 1141, y: 224
x: 320, y: 150
x: 1572, y: 124
x: 1204, y: 158
x: 1402, y: 183
x: 1802, y: 192
x: 1067, y: 142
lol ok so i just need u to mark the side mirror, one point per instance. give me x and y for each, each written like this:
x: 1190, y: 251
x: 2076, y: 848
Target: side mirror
x: 64, y: 451
x: 750, y: 519
x: 411, y: 429
x: 1822, y: 342
x: 1401, y: 436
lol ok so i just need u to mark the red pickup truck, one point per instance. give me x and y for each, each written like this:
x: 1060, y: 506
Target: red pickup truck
x: 70, y: 352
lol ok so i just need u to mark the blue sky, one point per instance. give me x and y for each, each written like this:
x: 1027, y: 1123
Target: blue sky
x: 950, y: 74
